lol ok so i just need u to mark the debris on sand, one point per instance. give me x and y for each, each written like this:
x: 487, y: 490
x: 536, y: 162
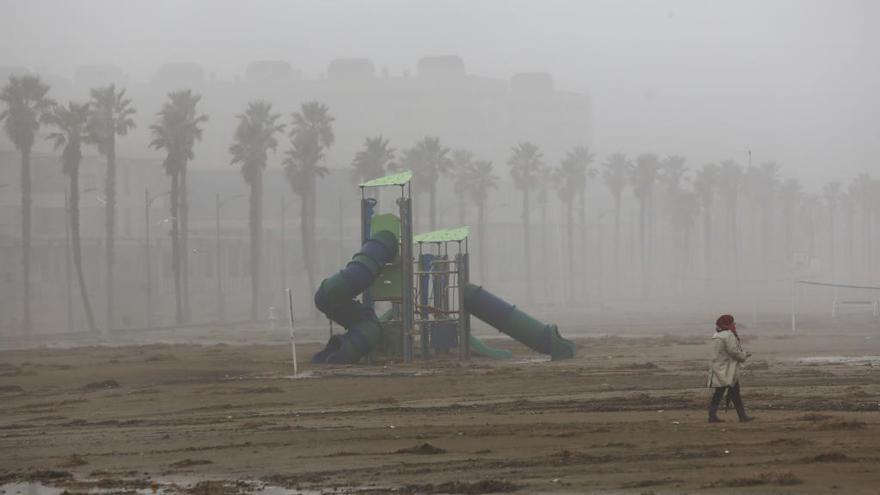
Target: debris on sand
x: 9, y: 370
x: 648, y: 483
x: 815, y: 417
x: 219, y: 488
x: 831, y: 457
x: 46, y: 475
x: 423, y: 449
x: 11, y: 389
x: 462, y: 487
x: 104, y: 385
x: 843, y: 425
x: 74, y: 461
x: 786, y: 478
x: 185, y: 463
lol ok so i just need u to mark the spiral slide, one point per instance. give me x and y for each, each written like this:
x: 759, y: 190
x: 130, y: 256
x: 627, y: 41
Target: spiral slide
x: 336, y: 299
x: 520, y: 326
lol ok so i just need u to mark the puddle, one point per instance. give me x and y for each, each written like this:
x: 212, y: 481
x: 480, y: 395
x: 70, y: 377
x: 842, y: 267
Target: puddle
x: 29, y: 489
x: 851, y: 360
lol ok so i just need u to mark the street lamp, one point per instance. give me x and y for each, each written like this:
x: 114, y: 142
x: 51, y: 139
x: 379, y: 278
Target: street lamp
x: 148, y: 201
x: 221, y: 315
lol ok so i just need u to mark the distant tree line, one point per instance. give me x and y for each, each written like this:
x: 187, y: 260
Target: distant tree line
x: 669, y: 196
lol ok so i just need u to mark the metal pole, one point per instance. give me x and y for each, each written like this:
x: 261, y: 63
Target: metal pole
x: 221, y: 314
x: 147, y: 255
x: 283, y: 254
x: 67, y: 261
x: 406, y: 258
x: 464, y: 318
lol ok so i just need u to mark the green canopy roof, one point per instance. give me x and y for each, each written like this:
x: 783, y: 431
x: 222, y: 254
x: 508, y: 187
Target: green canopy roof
x: 389, y: 180
x: 444, y: 235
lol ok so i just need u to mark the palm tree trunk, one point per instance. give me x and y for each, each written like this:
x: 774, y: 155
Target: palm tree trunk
x: 256, y: 227
x: 432, y: 211
x: 733, y: 243
x: 707, y: 244
x: 110, y: 226
x: 544, y: 253
x: 461, y: 206
x: 305, y: 232
x: 685, y: 256
x: 481, y: 239
x: 582, y: 268
x: 175, y: 246
x: 617, y: 238
x: 569, y: 226
x: 867, y: 235
x: 184, y: 244
x: 643, y: 262
x: 77, y: 248
x: 831, y: 239
x: 527, y: 246
x: 765, y: 240
x: 26, y: 237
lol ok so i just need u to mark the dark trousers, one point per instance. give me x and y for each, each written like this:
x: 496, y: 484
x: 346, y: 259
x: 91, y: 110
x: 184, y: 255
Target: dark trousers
x: 735, y: 397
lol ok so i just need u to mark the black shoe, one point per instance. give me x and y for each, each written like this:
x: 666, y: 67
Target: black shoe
x: 716, y: 420
x: 746, y: 419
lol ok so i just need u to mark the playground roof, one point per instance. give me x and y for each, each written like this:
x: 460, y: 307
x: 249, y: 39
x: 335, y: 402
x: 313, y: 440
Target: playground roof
x: 389, y: 180
x: 444, y: 235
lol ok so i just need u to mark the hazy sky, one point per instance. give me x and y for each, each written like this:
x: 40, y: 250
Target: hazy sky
x: 795, y: 81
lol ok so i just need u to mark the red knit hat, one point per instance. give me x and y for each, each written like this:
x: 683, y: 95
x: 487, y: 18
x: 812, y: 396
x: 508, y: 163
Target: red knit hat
x: 724, y: 322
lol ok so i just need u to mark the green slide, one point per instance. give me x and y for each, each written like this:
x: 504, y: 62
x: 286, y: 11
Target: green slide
x: 517, y: 324
x: 480, y: 347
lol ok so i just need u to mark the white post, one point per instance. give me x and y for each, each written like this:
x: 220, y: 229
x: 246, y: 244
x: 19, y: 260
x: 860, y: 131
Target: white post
x: 292, y: 341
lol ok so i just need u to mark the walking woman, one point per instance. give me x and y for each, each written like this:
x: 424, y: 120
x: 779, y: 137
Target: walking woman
x: 728, y: 355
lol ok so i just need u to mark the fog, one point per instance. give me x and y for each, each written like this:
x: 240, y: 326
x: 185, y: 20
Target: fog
x: 794, y: 81
x: 788, y: 82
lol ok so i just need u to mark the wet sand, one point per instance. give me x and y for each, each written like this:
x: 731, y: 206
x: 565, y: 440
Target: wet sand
x: 627, y: 416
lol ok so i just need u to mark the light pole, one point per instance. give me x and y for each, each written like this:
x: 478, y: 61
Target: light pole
x: 221, y: 314
x: 148, y: 201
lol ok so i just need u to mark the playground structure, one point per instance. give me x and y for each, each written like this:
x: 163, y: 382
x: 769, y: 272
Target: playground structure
x: 429, y: 292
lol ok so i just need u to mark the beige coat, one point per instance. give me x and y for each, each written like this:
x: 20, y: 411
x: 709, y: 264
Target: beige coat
x: 726, y: 359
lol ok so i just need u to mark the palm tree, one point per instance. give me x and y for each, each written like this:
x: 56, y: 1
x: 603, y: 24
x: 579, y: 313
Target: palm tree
x: 526, y: 162
x: 310, y: 135
x: 616, y: 174
x: 254, y: 138
x: 480, y: 180
x: 176, y: 131
x: 545, y: 183
x: 571, y: 178
x: 730, y: 176
x: 685, y: 206
x: 831, y: 193
x: 71, y: 123
x: 764, y: 187
x: 643, y: 178
x: 705, y: 184
x: 789, y: 194
x: 672, y: 172
x: 370, y: 162
x: 428, y: 159
x: 26, y: 109
x: 462, y: 161
x: 110, y: 115
x: 862, y: 190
